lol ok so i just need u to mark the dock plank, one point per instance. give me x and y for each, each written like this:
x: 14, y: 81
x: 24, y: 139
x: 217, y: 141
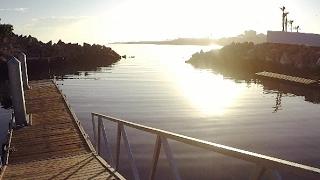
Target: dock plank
x: 54, y: 145
x: 287, y: 78
x: 84, y: 166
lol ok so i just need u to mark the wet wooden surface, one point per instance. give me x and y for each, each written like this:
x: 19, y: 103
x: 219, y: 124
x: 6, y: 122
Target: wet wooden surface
x: 287, y: 78
x: 54, y: 146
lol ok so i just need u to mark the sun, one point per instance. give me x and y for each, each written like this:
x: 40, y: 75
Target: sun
x: 209, y: 92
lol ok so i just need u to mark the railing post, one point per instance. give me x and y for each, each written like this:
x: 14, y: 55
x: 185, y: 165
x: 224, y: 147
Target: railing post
x: 155, y: 158
x: 273, y: 174
x: 106, y: 142
x: 94, y: 131
x: 14, y: 68
x: 257, y: 173
x: 99, y: 135
x: 118, y: 146
x: 168, y: 152
x: 129, y: 152
x: 23, y: 60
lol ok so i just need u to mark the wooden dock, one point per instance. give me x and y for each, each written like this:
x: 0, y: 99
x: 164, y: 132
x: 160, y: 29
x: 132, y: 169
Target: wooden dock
x: 54, y: 145
x: 287, y: 78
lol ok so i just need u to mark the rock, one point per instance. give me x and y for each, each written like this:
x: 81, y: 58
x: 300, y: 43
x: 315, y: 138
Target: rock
x: 268, y: 59
x: 61, y: 43
x: 250, y: 53
x: 6, y: 40
x: 284, y: 60
x: 46, y: 52
x: 318, y: 62
x: 49, y: 43
x: 86, y: 45
x: 3, y: 59
x: 32, y: 40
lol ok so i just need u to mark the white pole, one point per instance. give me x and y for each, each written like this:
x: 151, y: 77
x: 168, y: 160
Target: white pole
x: 14, y: 69
x: 23, y: 59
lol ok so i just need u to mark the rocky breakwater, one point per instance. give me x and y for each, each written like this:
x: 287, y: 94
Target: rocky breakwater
x: 248, y: 58
x: 48, y: 59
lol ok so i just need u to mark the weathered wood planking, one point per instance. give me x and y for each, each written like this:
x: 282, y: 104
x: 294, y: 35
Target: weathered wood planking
x: 287, y: 78
x: 85, y: 166
x: 54, y: 146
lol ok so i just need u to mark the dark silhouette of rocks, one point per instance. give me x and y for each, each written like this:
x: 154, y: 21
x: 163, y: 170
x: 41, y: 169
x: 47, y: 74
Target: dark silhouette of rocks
x: 48, y: 59
x: 248, y: 58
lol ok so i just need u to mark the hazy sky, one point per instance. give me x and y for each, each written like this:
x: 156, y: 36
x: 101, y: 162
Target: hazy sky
x: 103, y: 21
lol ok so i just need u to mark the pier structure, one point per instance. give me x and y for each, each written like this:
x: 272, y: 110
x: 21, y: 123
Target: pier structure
x: 288, y: 79
x: 45, y: 140
x: 53, y: 145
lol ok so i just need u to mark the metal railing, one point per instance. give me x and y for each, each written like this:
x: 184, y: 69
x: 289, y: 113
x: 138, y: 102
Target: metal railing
x: 264, y: 164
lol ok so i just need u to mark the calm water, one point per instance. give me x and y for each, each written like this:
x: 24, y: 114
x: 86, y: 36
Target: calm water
x: 156, y: 88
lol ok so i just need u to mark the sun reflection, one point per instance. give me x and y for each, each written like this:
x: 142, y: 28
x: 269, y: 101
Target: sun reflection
x: 209, y: 92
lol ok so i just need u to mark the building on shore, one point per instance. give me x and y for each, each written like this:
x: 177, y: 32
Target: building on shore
x: 298, y: 38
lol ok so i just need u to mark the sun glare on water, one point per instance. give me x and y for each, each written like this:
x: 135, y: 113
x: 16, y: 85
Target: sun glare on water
x: 209, y: 92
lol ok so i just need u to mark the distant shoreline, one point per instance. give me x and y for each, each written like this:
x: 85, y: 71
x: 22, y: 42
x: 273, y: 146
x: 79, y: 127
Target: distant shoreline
x: 248, y: 36
x: 165, y: 43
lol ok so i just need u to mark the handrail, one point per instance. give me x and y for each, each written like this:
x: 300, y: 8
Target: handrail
x: 264, y: 163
